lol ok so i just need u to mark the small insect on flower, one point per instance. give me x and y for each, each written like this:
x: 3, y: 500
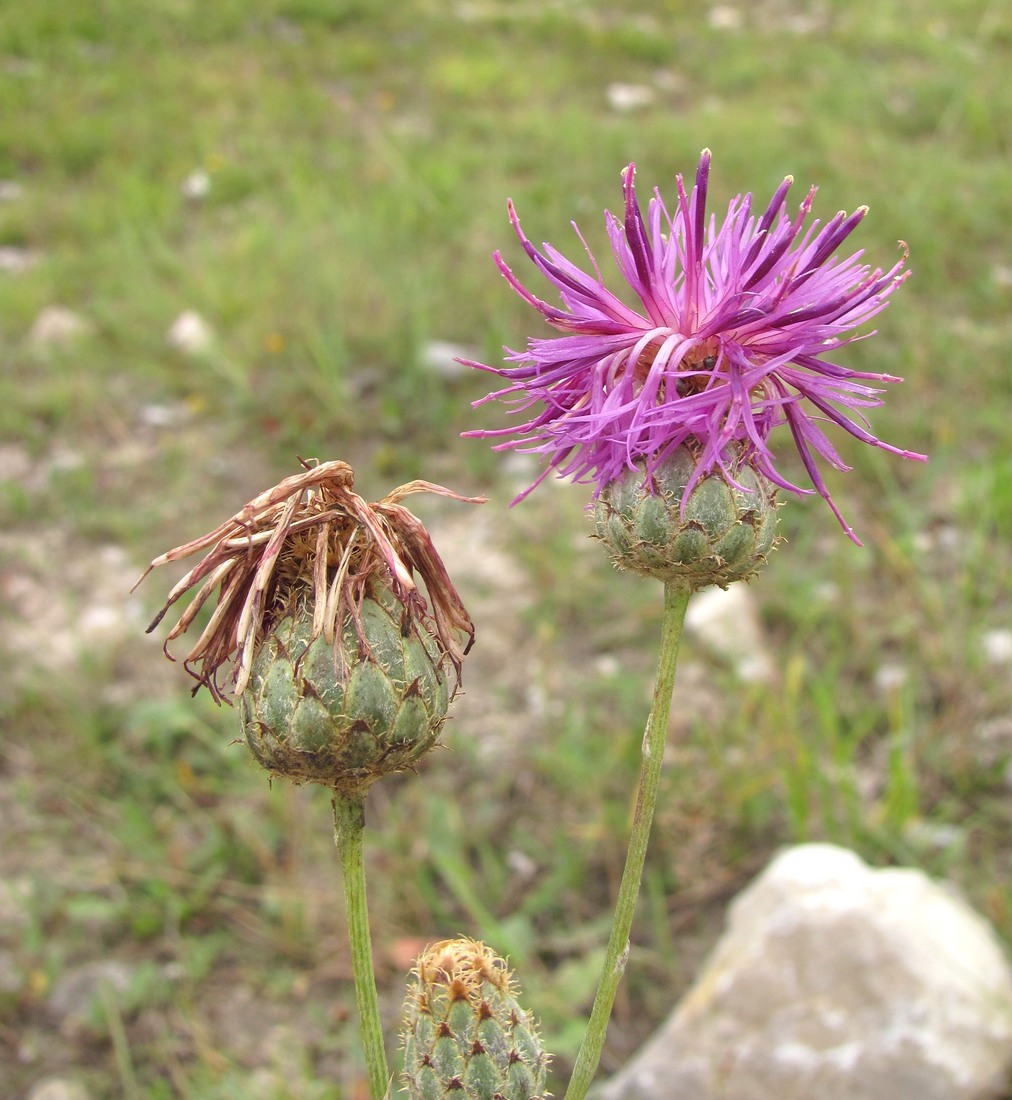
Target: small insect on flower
x: 341, y: 662
x: 732, y: 337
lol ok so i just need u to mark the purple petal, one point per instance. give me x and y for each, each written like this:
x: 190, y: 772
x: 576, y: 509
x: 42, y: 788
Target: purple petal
x: 737, y: 318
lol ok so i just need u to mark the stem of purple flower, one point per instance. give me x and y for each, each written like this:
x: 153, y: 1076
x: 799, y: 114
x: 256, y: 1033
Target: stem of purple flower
x: 676, y: 599
x: 349, y: 826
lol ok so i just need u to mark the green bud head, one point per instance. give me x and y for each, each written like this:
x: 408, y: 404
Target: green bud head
x: 721, y: 533
x: 465, y: 1033
x: 346, y: 712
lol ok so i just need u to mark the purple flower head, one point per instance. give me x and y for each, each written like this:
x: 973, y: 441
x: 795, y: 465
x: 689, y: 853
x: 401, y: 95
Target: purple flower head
x: 728, y: 341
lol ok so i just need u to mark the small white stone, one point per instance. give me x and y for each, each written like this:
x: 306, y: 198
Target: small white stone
x: 14, y: 259
x: 15, y: 462
x: 826, y: 593
x: 101, y: 624
x: 196, y: 185
x: 723, y: 17
x: 890, y: 676
x: 63, y: 460
x: 629, y: 97
x: 727, y: 623
x: 521, y: 864
x: 57, y: 326
x: 58, y: 1088
x: 992, y: 741
x: 803, y: 23
x: 997, y: 646
x: 10, y: 191
x: 949, y: 538
x: 671, y: 81
x: 521, y: 469
x: 607, y: 665
x: 1002, y: 275
x: 157, y: 415
x: 440, y: 357
x: 190, y: 333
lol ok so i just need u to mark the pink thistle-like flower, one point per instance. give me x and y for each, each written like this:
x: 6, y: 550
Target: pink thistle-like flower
x: 731, y: 339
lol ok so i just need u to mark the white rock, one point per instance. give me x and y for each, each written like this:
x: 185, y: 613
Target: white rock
x: 58, y: 1088
x: 14, y: 259
x: 998, y: 647
x: 890, y: 676
x: 840, y: 982
x: 727, y: 623
x: 15, y: 462
x: 629, y: 97
x: 164, y: 415
x: 440, y: 357
x: 190, y: 333
x: 196, y: 186
x: 723, y: 17
x: 57, y: 325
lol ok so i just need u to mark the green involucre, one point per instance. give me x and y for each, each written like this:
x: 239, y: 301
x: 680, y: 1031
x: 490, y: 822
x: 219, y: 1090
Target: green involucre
x: 723, y: 535
x: 345, y: 715
x: 465, y: 1033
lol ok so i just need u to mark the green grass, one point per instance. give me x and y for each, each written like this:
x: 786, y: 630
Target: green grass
x: 359, y: 157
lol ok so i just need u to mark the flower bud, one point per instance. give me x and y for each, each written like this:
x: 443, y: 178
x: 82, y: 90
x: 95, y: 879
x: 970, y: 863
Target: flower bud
x: 721, y: 532
x: 345, y: 714
x: 465, y: 1033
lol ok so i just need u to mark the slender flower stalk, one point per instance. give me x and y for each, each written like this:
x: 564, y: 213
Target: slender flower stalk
x: 349, y: 829
x: 676, y: 600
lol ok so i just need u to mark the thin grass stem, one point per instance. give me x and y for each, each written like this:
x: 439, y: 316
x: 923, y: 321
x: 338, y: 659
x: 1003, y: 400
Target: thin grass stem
x: 120, y: 1042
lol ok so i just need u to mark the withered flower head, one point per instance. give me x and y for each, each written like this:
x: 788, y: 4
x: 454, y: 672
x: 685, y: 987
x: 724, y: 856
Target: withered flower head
x: 340, y: 660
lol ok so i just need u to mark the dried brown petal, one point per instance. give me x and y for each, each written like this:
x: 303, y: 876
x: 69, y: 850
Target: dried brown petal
x: 311, y: 530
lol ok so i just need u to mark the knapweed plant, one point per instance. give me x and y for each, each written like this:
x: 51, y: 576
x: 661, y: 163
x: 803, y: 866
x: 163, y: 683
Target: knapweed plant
x: 342, y: 664
x: 344, y: 669
x: 667, y: 409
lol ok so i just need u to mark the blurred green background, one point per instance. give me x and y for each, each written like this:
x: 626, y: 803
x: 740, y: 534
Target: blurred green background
x: 238, y: 232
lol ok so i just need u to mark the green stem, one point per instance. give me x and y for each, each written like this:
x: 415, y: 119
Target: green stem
x: 675, y: 602
x: 349, y: 825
